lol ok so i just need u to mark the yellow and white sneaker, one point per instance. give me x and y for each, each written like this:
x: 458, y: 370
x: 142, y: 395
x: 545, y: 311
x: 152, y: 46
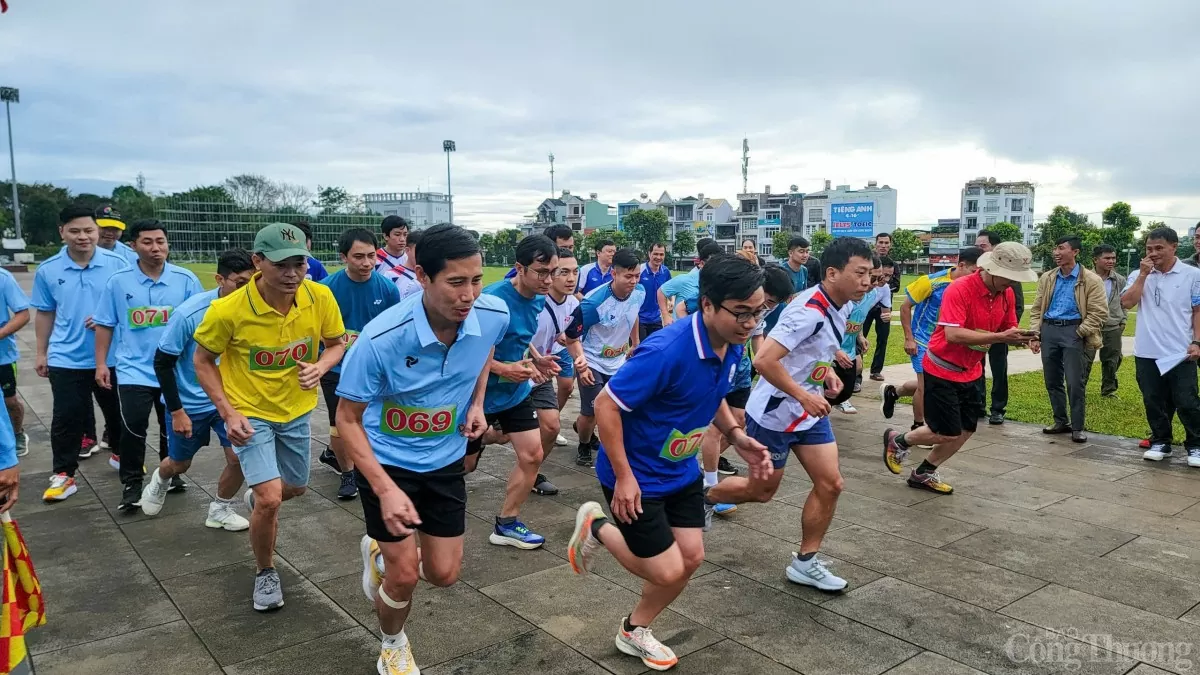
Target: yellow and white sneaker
x: 396, y: 658
x: 372, y: 576
x: 61, y: 487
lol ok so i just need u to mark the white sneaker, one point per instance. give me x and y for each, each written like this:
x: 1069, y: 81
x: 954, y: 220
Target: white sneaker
x: 560, y: 441
x: 812, y: 572
x: 642, y: 644
x: 1194, y: 457
x: 248, y: 499
x: 154, y: 495
x: 222, y: 516
x: 397, y: 659
x: 848, y: 408
x: 372, y: 577
x: 1157, y: 452
x: 22, y: 444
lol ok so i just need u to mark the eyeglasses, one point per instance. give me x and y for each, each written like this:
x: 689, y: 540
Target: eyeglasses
x: 746, y: 317
x: 542, y: 275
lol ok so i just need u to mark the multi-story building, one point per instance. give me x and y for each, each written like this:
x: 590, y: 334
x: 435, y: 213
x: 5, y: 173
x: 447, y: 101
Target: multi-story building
x: 843, y: 211
x: 583, y: 215
x: 761, y: 214
x: 420, y: 209
x: 986, y: 202
x: 642, y: 203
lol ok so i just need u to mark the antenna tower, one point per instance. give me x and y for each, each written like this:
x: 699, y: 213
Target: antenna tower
x: 745, y: 163
x: 552, y: 175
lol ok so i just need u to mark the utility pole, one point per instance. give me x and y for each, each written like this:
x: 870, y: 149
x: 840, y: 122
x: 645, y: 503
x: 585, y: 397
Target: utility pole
x: 12, y: 95
x: 745, y: 163
x: 448, y: 146
x: 552, y: 175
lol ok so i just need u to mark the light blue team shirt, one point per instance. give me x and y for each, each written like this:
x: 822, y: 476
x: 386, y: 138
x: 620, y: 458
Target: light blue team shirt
x: 12, y: 299
x: 138, y: 310
x: 1062, y: 303
x: 686, y: 288
x: 360, y: 301
x: 8, y: 442
x: 128, y: 254
x: 522, y: 325
x: 178, y: 341
x: 858, y: 316
x: 417, y: 390
x: 606, y: 323
x: 73, y: 293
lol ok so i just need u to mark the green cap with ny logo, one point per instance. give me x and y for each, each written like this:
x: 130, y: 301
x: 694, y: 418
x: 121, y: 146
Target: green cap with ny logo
x: 279, y: 241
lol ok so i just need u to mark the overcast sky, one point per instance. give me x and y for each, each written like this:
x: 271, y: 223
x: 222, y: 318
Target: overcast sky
x: 1093, y: 100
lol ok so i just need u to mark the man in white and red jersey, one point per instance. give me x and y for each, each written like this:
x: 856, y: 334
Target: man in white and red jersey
x: 393, y: 256
x: 789, y: 407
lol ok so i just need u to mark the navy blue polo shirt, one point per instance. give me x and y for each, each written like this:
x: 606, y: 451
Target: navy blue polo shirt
x: 668, y: 393
x: 652, y: 281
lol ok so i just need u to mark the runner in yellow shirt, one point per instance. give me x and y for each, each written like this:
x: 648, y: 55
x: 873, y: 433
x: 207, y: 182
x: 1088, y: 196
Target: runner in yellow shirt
x: 266, y: 335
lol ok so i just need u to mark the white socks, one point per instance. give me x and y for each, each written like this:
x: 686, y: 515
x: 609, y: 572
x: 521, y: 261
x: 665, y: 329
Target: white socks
x: 710, y: 478
x: 394, y: 641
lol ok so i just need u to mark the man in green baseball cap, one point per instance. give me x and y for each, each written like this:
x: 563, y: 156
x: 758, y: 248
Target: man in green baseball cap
x: 279, y: 241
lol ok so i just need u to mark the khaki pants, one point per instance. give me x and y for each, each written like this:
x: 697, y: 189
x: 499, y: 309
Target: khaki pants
x: 1110, y: 360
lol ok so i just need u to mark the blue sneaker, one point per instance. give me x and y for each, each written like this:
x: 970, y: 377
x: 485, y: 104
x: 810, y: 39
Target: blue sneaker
x: 516, y: 534
x: 724, y: 509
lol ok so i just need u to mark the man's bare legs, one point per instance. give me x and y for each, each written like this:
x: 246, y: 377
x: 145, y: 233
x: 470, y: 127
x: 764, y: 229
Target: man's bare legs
x: 821, y: 464
x: 16, y: 412
x: 264, y: 520
x: 436, y: 560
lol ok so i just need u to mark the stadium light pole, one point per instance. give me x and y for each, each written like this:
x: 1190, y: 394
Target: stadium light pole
x: 448, y: 146
x: 12, y: 95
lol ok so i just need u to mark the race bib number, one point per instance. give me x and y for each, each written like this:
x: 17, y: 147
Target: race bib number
x: 412, y: 422
x: 609, y: 352
x: 853, y: 327
x: 351, y: 338
x: 148, y: 317
x: 819, y: 372
x: 280, y: 358
x: 682, y: 445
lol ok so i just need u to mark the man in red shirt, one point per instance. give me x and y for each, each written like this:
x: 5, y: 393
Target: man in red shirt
x: 977, y: 311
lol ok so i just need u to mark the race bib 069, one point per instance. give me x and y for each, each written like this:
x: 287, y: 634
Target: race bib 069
x: 148, y: 317
x: 280, y: 358
x: 819, y: 372
x: 681, y: 445
x: 410, y: 421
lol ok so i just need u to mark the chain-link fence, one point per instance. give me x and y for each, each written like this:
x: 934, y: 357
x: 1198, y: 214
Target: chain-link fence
x: 199, y: 230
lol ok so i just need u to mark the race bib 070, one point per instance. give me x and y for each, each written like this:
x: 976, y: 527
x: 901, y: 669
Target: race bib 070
x: 819, y: 372
x: 148, y: 317
x: 280, y: 358
x: 681, y: 445
x: 411, y: 421
x: 610, y: 352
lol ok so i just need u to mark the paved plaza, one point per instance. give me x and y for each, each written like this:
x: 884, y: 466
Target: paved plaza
x: 1050, y: 557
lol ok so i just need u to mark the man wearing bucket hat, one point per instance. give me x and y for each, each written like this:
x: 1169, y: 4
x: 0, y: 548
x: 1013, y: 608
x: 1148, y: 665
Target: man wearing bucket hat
x: 977, y: 312
x: 111, y: 228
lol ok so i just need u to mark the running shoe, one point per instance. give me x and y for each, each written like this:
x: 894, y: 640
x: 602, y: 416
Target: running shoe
x: 583, y: 456
x: 348, y: 489
x: 726, y: 468
x: 222, y: 516
x: 543, y: 486
x: 61, y: 487
x: 177, y: 483
x: 154, y: 495
x: 87, y: 448
x: 131, y: 497
x: 889, y: 396
x: 23, y: 444
x: 103, y: 440
x: 115, y: 462
x: 561, y: 441
x: 724, y: 509
x: 857, y: 387
x: 330, y: 460
x: 516, y: 534
x: 1144, y: 443
x: 396, y: 658
x: 640, y: 642
x: 893, y: 454
x: 1157, y: 452
x: 929, y: 481
x: 583, y: 545
x: 813, y: 572
x: 1194, y: 457
x: 848, y: 408
x: 372, y: 559
x: 268, y: 591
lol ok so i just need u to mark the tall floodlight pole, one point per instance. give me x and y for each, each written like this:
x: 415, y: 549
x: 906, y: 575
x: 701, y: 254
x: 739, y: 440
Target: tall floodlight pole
x: 448, y: 146
x: 552, y: 175
x: 12, y: 95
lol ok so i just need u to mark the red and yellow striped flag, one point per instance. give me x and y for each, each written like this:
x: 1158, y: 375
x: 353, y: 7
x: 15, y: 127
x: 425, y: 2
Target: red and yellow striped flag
x: 21, y: 603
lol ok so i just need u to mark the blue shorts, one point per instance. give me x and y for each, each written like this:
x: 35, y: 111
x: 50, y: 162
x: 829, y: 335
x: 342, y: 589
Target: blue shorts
x: 183, y: 449
x: 916, y: 360
x: 277, y: 450
x: 566, y: 363
x: 780, y: 443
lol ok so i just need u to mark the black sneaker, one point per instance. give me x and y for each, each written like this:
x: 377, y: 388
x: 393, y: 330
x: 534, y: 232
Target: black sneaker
x: 543, y: 486
x: 584, y: 456
x: 725, y: 468
x: 349, y: 487
x: 889, y: 395
x: 131, y: 497
x: 330, y: 460
x: 177, y: 484
x: 996, y: 419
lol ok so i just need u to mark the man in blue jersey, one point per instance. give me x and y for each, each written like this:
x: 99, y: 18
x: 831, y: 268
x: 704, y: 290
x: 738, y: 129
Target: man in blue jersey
x: 509, y: 400
x: 192, y: 414
x: 133, y: 314
x: 652, y: 415
x: 14, y: 302
x: 684, y: 289
x: 596, y: 274
x: 111, y: 228
x: 316, y: 271
x: 362, y: 294
x: 563, y: 236
x: 412, y: 391
x: 654, y: 275
x: 607, y: 323
x: 66, y: 290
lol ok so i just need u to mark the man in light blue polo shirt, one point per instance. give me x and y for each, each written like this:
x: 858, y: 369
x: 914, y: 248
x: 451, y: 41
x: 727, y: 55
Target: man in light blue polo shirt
x: 12, y: 299
x: 133, y: 313
x: 412, y: 391
x: 66, y: 290
x: 685, y: 288
x: 652, y: 415
x: 193, y: 414
x: 654, y: 275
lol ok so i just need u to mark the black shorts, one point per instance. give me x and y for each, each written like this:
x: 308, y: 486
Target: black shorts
x: 329, y: 385
x: 645, y: 330
x: 738, y: 397
x: 520, y: 417
x: 8, y: 379
x: 951, y: 407
x: 440, y: 497
x: 651, y: 533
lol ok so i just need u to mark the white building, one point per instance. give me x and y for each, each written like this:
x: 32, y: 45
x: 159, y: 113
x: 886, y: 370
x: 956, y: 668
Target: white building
x: 842, y: 211
x: 762, y: 214
x: 420, y: 209
x: 986, y: 202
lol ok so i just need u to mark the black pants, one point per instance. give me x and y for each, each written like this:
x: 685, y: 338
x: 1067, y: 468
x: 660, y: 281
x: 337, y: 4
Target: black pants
x: 884, y: 329
x: 1164, y: 395
x: 645, y: 330
x: 136, y: 402
x: 73, y: 390
x: 997, y: 358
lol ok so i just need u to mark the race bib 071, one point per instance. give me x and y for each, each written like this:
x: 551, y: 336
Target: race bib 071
x: 281, y: 358
x: 681, y: 445
x: 148, y: 317
x: 411, y: 421
x: 819, y: 372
